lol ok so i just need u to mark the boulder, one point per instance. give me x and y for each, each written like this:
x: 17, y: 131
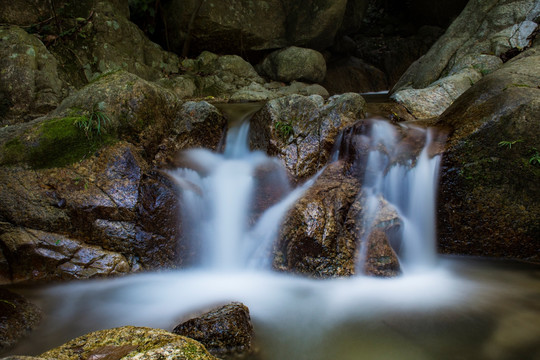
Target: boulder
x: 18, y: 317
x: 247, y: 27
x: 489, y: 185
x: 301, y: 130
x: 353, y: 75
x: 324, y: 235
x: 29, y: 82
x: 196, y: 125
x: 129, y: 342
x: 39, y: 256
x: 226, y: 331
x: 485, y: 27
x: 294, y: 63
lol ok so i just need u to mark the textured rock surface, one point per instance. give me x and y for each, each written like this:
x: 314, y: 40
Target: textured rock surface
x: 489, y: 186
x: 301, y: 130
x: 17, y: 317
x: 29, y: 81
x: 485, y: 27
x: 130, y: 342
x: 248, y: 26
x: 225, y: 331
x: 294, y: 63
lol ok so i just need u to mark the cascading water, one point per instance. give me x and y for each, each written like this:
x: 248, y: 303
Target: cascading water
x: 410, y: 186
x: 431, y: 314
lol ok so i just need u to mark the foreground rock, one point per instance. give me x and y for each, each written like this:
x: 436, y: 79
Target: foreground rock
x: 17, y: 317
x: 225, y: 331
x: 130, y: 342
x: 489, y: 186
x: 323, y: 232
x: 301, y: 131
x: 468, y: 50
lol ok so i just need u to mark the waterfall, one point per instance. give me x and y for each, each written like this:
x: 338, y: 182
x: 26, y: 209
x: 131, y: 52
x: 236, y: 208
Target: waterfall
x: 220, y: 205
x: 409, y: 185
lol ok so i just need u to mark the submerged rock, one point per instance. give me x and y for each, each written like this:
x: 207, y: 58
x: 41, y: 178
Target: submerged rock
x: 18, y: 317
x: 225, y: 331
x: 301, y: 131
x: 489, y: 186
x: 130, y: 342
x: 459, y: 58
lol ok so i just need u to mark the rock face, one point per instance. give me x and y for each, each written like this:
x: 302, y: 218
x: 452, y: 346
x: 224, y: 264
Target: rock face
x: 130, y: 342
x: 294, y: 63
x: 301, y: 130
x: 29, y: 82
x: 17, y: 317
x: 467, y: 51
x: 225, y: 331
x: 353, y: 75
x: 324, y: 234
x: 489, y: 187
x: 248, y: 26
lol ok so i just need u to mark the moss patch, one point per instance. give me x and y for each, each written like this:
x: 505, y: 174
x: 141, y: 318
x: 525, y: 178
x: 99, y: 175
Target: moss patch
x: 56, y: 142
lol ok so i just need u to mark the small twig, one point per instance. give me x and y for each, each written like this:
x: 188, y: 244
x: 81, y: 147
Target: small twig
x: 58, y: 27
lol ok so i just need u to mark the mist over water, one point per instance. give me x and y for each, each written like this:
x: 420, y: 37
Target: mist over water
x: 439, y: 309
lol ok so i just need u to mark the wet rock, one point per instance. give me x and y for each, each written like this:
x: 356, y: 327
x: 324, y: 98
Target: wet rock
x: 18, y: 317
x: 130, y: 342
x: 301, y: 130
x: 294, y: 63
x: 353, y: 75
x: 196, y: 125
x: 483, y: 27
x: 489, y: 182
x: 38, y: 256
x: 252, y: 26
x: 225, y: 331
x: 29, y: 82
x: 320, y: 234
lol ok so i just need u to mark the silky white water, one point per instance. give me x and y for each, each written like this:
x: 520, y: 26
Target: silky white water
x: 435, y: 310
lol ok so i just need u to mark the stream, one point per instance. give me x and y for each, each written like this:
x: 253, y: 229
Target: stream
x: 439, y: 308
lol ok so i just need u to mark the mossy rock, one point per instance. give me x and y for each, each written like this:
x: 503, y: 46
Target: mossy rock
x: 55, y: 142
x: 130, y: 342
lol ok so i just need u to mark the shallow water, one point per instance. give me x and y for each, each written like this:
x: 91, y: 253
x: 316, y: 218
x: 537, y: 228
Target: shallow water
x: 462, y: 309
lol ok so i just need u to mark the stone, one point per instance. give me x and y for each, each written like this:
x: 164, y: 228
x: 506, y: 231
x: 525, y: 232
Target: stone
x: 39, y: 256
x: 226, y: 331
x: 301, y: 130
x: 29, y: 82
x: 320, y: 233
x: 353, y: 75
x: 242, y: 27
x: 129, y: 342
x: 295, y: 63
x: 489, y: 163
x: 484, y: 27
x: 198, y: 124
x: 18, y: 317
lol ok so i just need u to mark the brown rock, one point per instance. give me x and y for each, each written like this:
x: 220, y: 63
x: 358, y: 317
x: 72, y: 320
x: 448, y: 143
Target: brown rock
x: 225, y: 331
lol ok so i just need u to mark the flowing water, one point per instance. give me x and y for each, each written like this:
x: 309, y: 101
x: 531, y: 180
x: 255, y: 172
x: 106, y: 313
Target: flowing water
x: 449, y: 308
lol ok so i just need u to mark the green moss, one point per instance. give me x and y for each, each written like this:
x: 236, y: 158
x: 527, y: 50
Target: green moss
x: 13, y: 151
x: 54, y: 143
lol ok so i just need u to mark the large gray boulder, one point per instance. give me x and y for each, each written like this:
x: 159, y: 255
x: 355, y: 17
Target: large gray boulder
x: 294, y: 63
x: 248, y: 26
x: 489, y: 183
x: 467, y: 51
